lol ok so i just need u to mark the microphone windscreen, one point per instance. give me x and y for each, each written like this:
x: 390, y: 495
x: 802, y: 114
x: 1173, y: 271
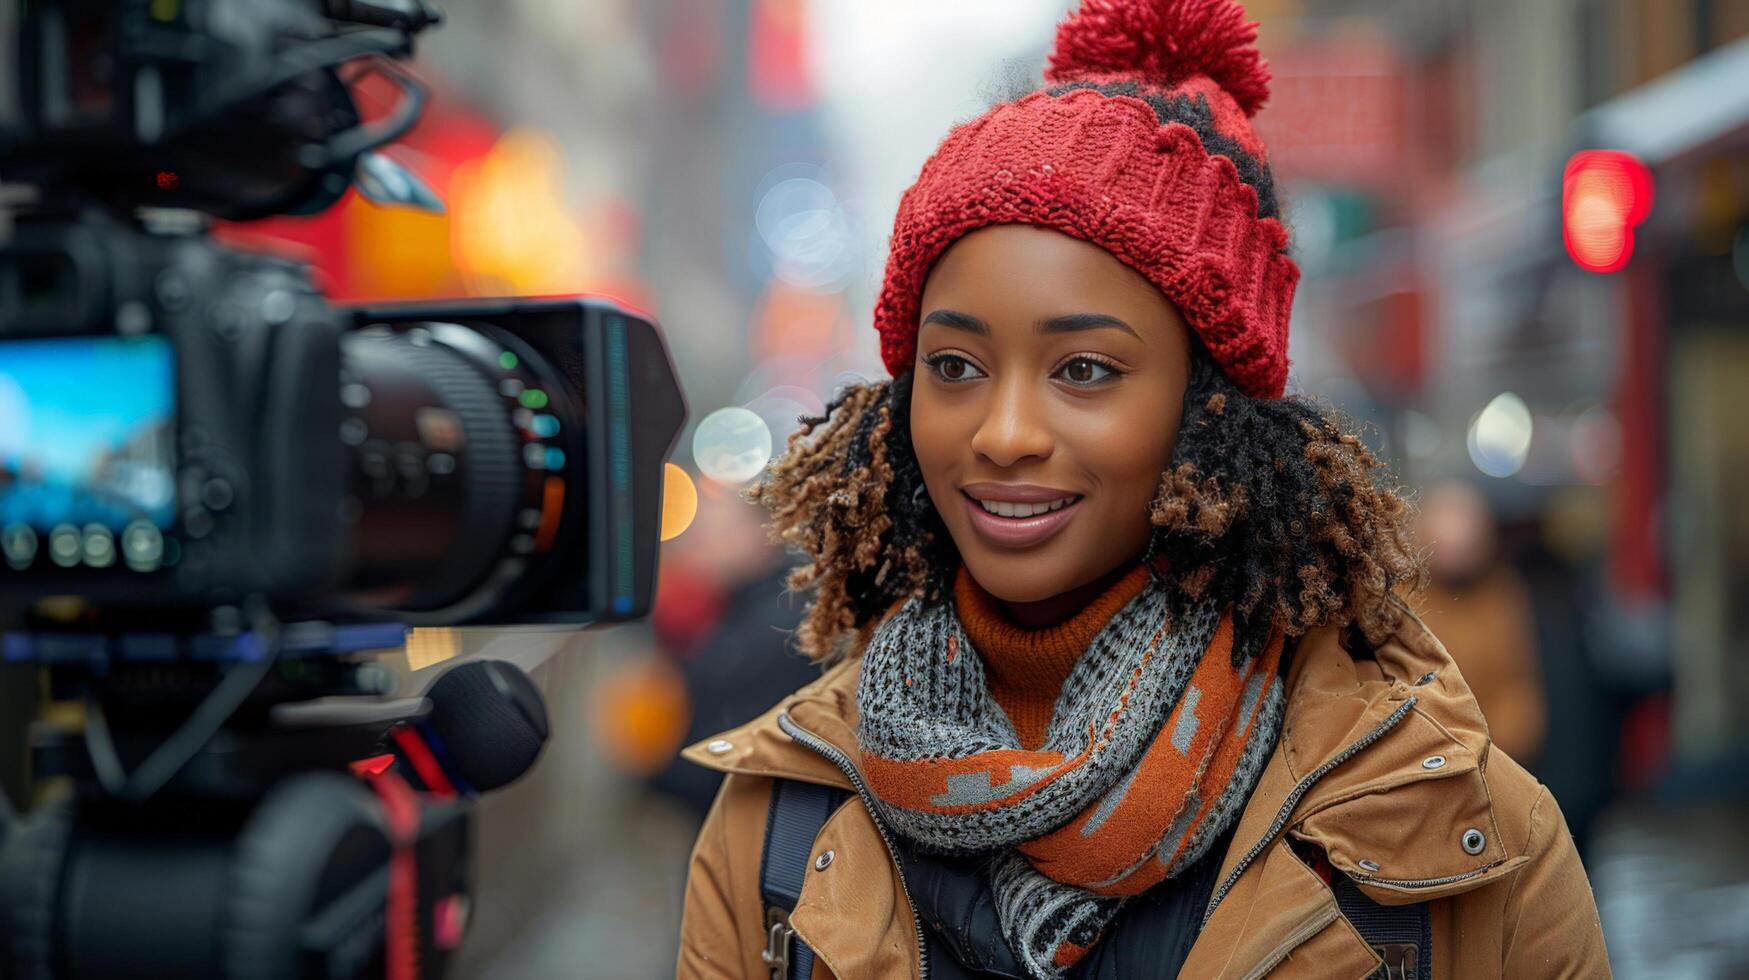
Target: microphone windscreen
x: 491, y: 718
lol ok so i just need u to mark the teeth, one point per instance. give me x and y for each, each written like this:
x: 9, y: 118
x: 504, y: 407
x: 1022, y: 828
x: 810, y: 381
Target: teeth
x: 1003, y: 508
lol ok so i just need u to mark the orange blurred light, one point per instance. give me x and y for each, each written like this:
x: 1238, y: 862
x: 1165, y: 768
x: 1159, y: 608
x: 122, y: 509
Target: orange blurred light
x: 510, y: 230
x: 679, y: 501
x: 397, y: 252
x: 639, y: 713
x: 789, y: 320
x: 1605, y: 195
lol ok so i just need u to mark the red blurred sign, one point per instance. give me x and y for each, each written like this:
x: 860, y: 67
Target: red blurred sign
x: 1605, y: 194
x: 777, y: 55
x: 1382, y: 338
x: 1336, y: 112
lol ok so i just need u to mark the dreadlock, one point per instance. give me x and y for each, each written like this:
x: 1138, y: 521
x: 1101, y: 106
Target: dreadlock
x: 1268, y: 506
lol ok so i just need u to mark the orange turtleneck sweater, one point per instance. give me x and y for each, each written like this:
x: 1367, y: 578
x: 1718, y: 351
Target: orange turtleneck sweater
x: 1025, y: 667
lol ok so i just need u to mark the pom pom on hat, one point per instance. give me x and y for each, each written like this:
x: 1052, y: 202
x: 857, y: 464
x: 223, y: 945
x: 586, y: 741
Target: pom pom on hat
x: 1164, y: 42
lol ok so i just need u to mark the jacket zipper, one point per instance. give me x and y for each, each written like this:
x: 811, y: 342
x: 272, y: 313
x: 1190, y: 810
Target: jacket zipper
x: 833, y: 755
x: 1425, y: 882
x: 1292, y: 942
x: 1293, y: 800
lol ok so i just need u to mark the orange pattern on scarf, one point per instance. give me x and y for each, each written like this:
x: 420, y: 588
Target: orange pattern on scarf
x: 1025, y: 667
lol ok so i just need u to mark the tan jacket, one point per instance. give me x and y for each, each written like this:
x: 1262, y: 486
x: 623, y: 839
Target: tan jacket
x: 1384, y: 763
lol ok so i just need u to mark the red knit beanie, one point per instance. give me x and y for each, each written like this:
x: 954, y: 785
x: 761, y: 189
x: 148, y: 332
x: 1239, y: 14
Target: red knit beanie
x: 1142, y: 145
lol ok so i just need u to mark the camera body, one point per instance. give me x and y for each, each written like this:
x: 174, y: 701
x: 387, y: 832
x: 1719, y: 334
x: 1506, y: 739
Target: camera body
x: 190, y: 425
x: 223, y: 474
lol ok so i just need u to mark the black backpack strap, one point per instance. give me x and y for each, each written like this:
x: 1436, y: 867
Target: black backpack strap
x: 1401, y: 934
x: 798, y: 810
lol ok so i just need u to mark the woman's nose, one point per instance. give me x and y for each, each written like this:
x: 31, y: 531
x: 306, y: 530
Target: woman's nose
x: 1014, y: 426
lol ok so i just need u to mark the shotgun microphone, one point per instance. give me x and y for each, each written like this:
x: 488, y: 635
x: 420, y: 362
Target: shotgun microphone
x: 486, y: 727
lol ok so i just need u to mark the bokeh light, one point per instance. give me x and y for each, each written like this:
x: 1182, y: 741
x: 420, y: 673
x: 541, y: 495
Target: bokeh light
x: 782, y: 408
x: 806, y: 236
x: 511, y: 230
x: 1499, y: 437
x: 639, y: 713
x: 731, y: 445
x: 1605, y: 194
x: 679, y: 501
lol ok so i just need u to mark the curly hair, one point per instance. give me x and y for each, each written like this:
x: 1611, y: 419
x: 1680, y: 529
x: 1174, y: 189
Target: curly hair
x: 849, y: 495
x: 1268, y: 507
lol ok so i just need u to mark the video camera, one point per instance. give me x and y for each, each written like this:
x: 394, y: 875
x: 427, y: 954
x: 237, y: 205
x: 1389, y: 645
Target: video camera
x: 217, y: 490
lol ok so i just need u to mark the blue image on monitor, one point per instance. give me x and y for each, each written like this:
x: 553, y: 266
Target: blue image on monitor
x: 87, y: 432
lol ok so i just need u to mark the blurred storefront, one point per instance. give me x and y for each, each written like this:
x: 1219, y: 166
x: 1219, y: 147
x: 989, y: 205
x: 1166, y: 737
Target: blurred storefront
x: 1569, y: 331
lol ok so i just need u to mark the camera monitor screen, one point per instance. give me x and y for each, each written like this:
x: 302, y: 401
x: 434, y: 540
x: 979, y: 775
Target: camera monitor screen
x: 87, y: 443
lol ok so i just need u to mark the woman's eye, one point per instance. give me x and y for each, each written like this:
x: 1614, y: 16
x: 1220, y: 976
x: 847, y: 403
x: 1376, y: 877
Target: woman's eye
x: 1085, y: 371
x: 952, y: 367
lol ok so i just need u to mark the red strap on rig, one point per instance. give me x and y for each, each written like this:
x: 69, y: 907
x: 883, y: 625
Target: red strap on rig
x: 401, y: 808
x: 424, y: 762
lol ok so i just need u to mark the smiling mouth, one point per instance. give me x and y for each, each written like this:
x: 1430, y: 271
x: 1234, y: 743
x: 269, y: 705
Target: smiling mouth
x: 1017, y: 524
x: 1020, y: 510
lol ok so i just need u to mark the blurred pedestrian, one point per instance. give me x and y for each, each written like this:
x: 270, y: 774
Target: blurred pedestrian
x: 1479, y: 607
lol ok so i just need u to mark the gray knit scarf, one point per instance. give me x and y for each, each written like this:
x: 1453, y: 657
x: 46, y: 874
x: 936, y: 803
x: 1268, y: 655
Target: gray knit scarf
x: 1138, y: 775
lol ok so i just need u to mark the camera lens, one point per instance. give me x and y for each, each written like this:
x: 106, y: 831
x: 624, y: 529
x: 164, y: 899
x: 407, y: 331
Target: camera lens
x: 458, y: 446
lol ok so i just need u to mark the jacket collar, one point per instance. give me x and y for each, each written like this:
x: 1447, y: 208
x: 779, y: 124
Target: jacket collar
x: 825, y: 706
x: 1335, y: 699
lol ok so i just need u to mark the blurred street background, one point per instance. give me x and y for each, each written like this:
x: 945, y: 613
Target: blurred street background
x: 1524, y: 229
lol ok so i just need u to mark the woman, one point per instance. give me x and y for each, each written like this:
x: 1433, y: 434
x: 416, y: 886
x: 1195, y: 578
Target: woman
x: 1119, y: 685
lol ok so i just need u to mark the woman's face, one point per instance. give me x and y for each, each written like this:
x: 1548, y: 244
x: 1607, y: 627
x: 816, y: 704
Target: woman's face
x: 1050, y: 379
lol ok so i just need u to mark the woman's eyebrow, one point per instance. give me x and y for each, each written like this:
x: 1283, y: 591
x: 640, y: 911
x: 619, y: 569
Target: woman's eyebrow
x: 958, y: 321
x: 1083, y: 321
x: 1066, y: 323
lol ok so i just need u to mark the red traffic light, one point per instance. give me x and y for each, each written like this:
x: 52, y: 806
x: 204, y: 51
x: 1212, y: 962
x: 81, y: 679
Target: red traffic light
x: 1605, y: 194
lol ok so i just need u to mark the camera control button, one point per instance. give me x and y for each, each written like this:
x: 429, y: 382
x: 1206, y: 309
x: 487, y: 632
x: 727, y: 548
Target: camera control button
x: 18, y: 541
x: 217, y: 494
x: 142, y: 546
x: 173, y: 291
x: 98, y: 545
x: 278, y: 307
x: 354, y: 431
x: 410, y: 467
x: 65, y: 548
x: 197, y: 522
x: 132, y: 318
